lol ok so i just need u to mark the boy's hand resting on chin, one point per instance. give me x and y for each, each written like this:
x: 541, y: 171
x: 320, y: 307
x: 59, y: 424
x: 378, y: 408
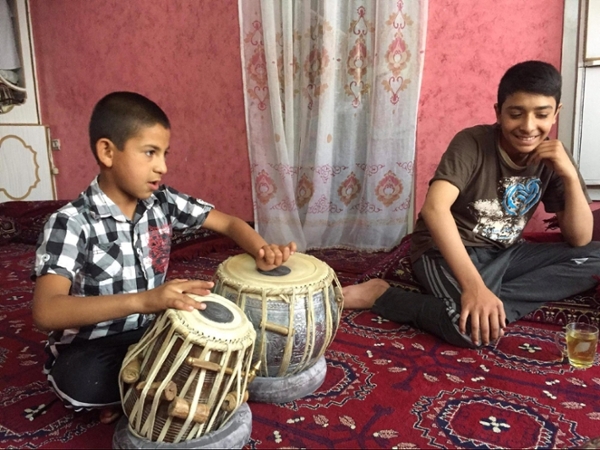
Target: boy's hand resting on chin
x: 552, y: 153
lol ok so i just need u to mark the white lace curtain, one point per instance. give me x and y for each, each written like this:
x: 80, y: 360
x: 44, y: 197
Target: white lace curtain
x: 331, y: 91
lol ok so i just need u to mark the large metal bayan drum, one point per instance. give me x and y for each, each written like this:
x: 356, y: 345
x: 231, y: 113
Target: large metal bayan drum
x: 189, y: 373
x: 295, y: 310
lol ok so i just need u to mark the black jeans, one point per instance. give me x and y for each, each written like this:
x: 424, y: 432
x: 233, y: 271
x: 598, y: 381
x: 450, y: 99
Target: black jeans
x: 86, y: 373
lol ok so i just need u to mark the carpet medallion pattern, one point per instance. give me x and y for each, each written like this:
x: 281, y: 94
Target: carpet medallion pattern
x: 488, y: 418
x: 528, y: 349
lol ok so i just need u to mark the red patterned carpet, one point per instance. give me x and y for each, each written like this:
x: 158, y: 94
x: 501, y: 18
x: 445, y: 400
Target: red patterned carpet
x: 387, y: 386
x: 390, y: 386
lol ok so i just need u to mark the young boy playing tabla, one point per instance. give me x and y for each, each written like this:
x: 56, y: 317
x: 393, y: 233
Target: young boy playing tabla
x: 467, y: 249
x: 102, y: 259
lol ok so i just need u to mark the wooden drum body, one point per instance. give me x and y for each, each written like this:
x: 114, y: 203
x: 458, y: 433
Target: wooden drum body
x: 189, y: 372
x: 295, y: 315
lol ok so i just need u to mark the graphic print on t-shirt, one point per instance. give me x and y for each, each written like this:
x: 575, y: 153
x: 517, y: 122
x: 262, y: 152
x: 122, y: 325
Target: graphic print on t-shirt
x: 502, y: 219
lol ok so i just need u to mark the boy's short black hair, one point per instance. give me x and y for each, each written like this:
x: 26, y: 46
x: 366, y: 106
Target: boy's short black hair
x: 118, y: 116
x: 533, y: 77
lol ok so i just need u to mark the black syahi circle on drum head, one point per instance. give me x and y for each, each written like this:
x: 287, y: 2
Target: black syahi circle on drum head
x: 216, y: 312
x: 276, y: 272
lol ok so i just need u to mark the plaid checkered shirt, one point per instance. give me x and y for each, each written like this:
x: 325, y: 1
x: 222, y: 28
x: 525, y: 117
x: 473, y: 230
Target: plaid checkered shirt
x: 102, y: 252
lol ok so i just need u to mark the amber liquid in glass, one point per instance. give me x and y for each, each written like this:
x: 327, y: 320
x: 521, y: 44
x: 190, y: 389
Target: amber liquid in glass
x: 581, y: 348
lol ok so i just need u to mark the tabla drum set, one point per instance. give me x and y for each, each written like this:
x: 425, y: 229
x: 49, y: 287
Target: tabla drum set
x: 262, y: 337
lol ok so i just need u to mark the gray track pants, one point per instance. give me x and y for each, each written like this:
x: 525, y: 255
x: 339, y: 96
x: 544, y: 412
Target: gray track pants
x: 524, y: 277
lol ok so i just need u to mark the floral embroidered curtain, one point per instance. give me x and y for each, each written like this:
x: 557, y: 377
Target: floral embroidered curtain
x: 331, y: 91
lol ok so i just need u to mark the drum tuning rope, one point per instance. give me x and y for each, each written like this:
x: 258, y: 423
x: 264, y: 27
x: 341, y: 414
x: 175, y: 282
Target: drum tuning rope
x: 189, y: 372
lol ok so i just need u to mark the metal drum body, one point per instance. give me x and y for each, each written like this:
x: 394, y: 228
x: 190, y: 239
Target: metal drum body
x: 188, y: 373
x: 295, y: 315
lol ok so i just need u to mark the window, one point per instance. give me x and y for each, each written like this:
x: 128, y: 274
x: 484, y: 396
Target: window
x: 578, y: 124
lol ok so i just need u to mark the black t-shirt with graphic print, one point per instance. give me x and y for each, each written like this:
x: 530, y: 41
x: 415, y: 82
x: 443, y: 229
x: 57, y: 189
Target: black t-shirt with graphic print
x: 497, y: 198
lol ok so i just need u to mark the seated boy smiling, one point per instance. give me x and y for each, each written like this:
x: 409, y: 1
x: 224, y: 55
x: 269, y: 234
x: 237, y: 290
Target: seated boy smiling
x: 467, y: 248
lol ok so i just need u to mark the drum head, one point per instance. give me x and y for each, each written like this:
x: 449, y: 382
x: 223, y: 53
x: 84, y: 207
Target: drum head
x: 304, y: 270
x: 222, y: 319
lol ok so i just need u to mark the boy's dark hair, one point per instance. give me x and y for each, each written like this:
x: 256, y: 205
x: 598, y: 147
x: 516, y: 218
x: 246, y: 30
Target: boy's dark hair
x: 533, y: 77
x: 119, y: 115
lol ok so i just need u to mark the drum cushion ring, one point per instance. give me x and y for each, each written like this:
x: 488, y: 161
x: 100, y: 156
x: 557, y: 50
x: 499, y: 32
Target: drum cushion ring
x: 235, y: 433
x: 292, y: 387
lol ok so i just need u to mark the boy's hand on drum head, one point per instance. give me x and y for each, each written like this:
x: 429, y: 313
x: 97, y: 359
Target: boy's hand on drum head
x: 172, y: 294
x: 271, y: 256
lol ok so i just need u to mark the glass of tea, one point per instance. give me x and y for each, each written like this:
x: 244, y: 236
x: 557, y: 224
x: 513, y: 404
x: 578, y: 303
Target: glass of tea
x: 578, y: 343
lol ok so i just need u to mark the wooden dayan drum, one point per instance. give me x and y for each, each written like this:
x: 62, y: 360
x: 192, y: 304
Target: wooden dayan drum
x: 189, y: 372
x: 295, y: 315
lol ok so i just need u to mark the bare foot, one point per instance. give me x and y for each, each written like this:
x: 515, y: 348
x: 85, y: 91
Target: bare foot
x: 363, y: 295
x: 110, y: 414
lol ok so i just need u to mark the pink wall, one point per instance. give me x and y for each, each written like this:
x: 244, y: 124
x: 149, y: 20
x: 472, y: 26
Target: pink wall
x: 185, y: 56
x: 469, y: 46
